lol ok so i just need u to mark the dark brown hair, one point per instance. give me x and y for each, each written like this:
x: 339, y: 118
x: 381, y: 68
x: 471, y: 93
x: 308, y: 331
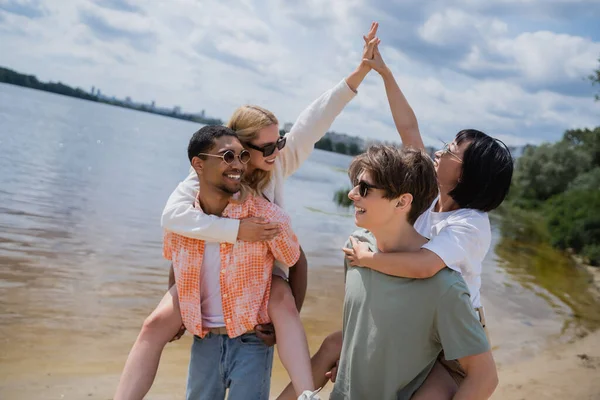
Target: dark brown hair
x: 399, y: 171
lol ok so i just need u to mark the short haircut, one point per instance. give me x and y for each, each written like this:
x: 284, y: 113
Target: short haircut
x: 487, y: 171
x: 204, y: 139
x: 399, y: 171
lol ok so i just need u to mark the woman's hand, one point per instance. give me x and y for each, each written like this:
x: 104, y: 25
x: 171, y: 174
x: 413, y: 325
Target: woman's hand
x: 377, y: 62
x: 359, y: 254
x: 257, y: 230
x: 357, y: 76
x: 370, y: 38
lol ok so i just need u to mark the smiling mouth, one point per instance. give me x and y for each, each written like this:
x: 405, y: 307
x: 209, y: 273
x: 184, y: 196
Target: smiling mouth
x: 359, y: 210
x: 271, y: 161
x: 234, y: 176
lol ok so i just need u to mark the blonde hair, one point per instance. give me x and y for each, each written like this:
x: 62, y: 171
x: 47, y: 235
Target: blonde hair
x: 247, y: 121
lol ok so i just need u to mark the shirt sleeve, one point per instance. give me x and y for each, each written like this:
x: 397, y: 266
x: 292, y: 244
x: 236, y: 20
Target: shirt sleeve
x: 458, y: 328
x: 285, y: 246
x: 180, y: 216
x: 459, y: 241
x: 312, y: 124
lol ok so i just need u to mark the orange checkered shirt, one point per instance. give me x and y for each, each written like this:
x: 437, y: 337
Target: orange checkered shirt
x: 246, y: 269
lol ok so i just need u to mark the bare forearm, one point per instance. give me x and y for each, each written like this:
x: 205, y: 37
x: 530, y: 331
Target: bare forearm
x: 482, y: 377
x: 299, y: 279
x: 403, y: 114
x: 476, y: 388
x: 357, y: 76
x: 417, y: 264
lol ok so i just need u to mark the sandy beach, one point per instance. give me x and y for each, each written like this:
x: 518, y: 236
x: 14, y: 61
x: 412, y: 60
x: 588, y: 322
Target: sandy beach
x: 569, y: 371
x: 91, y: 367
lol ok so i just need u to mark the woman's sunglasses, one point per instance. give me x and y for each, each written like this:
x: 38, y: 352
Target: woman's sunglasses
x: 363, y: 188
x: 269, y: 148
x: 229, y: 156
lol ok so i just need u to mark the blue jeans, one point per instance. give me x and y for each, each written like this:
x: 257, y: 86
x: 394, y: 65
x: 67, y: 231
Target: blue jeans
x: 242, y: 365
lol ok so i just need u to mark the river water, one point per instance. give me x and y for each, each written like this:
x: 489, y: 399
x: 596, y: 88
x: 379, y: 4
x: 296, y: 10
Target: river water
x: 82, y: 186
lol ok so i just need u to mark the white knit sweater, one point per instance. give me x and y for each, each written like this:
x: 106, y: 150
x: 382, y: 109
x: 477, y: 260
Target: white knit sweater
x: 181, y: 217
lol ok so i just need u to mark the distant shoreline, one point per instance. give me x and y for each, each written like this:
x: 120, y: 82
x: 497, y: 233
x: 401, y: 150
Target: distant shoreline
x: 332, y: 142
x: 30, y: 81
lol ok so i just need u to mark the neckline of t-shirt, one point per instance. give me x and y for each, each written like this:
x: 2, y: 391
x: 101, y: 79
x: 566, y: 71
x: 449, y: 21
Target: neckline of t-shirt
x: 448, y: 213
x: 432, y: 208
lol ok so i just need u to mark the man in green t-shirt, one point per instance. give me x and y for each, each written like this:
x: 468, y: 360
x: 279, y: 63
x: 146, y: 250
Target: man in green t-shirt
x: 395, y: 328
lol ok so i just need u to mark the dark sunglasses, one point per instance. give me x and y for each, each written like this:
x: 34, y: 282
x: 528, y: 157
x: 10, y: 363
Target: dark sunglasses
x: 269, y: 148
x: 229, y: 156
x: 363, y: 188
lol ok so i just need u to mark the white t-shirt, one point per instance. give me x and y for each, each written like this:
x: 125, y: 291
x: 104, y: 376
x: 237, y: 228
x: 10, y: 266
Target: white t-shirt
x: 210, y: 287
x: 461, y: 238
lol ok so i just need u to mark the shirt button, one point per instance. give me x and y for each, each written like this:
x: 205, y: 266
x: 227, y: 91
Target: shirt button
x: 223, y: 271
x: 228, y: 320
x: 225, y: 296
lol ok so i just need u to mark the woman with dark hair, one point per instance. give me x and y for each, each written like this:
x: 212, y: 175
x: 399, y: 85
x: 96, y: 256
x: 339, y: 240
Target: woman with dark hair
x: 474, y: 173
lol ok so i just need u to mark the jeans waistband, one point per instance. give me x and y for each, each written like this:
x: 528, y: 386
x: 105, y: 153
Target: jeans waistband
x: 223, y: 331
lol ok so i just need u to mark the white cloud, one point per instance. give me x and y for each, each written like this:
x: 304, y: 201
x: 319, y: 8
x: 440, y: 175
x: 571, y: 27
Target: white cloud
x: 216, y: 55
x: 456, y: 27
x: 543, y: 55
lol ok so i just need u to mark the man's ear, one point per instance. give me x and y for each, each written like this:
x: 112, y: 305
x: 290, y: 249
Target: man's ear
x: 197, y: 164
x: 404, y: 201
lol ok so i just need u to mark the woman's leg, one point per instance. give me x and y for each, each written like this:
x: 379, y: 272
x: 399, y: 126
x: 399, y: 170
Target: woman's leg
x: 292, y: 345
x: 439, y: 385
x: 322, y: 362
x: 141, y: 366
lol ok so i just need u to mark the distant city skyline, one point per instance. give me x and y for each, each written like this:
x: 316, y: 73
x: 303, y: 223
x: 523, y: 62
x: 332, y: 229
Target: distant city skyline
x: 516, y: 70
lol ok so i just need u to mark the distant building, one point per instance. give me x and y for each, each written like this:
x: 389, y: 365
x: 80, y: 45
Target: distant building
x: 176, y: 110
x: 128, y: 100
x: 287, y: 127
x: 153, y: 105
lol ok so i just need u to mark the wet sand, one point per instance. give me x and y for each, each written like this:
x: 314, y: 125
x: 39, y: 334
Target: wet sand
x: 568, y: 371
x: 69, y: 362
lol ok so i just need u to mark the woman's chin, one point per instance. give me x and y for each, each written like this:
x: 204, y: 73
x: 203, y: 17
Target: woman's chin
x: 267, y: 166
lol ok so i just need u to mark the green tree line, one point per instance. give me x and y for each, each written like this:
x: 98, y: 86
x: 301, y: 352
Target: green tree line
x: 327, y: 144
x: 30, y: 81
x: 561, y: 183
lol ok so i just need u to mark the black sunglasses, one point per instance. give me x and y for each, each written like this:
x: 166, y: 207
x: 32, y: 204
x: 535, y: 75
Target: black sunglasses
x: 363, y: 188
x: 269, y: 148
x: 229, y: 156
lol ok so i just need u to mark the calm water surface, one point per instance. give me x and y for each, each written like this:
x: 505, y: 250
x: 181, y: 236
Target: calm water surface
x: 82, y: 186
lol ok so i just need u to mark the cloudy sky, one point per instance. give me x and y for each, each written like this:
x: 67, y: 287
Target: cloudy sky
x: 513, y: 68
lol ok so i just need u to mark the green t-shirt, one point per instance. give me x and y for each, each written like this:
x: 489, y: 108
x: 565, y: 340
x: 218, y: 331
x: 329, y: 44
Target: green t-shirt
x: 395, y: 328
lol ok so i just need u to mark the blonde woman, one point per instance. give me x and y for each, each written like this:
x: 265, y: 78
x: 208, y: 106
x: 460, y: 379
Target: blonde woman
x: 273, y: 159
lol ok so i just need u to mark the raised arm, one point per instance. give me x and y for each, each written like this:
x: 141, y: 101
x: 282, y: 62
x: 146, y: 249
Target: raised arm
x: 180, y: 216
x: 404, y: 117
x: 312, y: 124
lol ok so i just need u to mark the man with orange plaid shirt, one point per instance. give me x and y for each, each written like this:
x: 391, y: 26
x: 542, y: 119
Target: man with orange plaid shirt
x: 223, y: 288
